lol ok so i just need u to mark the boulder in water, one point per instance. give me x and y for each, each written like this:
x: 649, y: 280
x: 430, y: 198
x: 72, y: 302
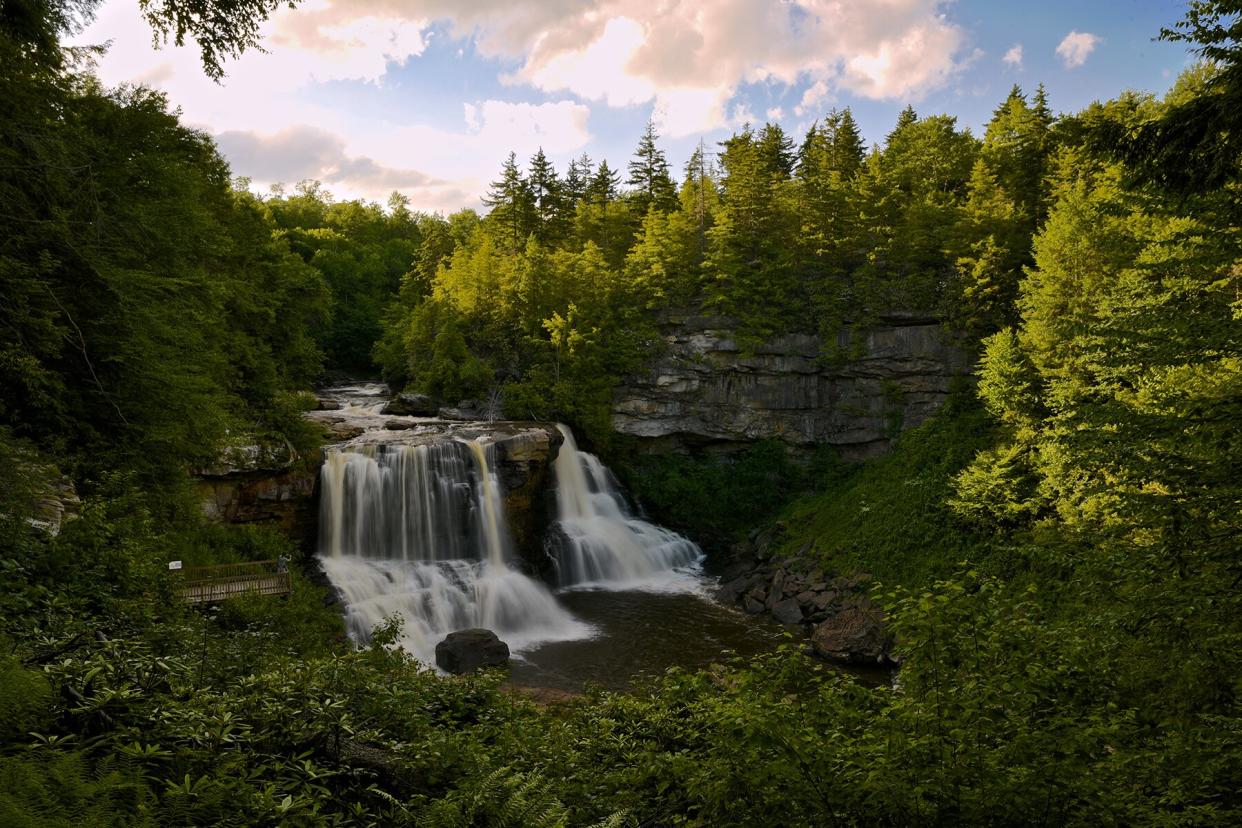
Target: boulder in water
x: 411, y: 405
x: 465, y: 651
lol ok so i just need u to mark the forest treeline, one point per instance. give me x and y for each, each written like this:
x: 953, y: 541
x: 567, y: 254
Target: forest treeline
x: 1057, y: 551
x: 554, y: 294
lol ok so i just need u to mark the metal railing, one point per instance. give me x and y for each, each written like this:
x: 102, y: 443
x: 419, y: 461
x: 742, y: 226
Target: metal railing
x: 212, y: 584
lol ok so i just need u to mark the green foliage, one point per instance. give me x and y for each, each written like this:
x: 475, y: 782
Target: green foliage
x: 25, y: 699
x: 849, y: 522
x: 141, y: 343
x: 1191, y: 146
x: 361, y: 253
x: 50, y: 788
x: 222, y: 29
x: 1082, y: 667
x: 715, y: 498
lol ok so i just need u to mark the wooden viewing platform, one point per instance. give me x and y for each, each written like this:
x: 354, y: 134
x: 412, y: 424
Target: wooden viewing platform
x: 212, y: 584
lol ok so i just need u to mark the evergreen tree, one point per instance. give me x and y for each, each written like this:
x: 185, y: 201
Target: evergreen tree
x: 577, y: 180
x: 605, y: 186
x: 604, y: 218
x: 753, y: 245
x: 812, y: 150
x: 905, y: 119
x: 512, y: 204
x: 699, y: 195
x: 776, y: 151
x: 1016, y: 145
x: 547, y: 197
x: 650, y: 183
x: 994, y: 243
x: 848, y: 149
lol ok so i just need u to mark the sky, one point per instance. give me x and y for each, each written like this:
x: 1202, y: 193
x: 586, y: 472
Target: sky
x: 428, y: 97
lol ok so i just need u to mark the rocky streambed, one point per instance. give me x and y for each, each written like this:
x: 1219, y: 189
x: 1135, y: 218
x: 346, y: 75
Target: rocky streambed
x: 843, y: 623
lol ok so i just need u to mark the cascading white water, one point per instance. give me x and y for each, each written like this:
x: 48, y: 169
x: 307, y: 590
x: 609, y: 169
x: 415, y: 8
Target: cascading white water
x: 419, y: 531
x: 602, y: 543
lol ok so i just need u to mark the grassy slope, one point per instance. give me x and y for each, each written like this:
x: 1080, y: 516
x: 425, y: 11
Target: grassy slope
x: 888, y: 517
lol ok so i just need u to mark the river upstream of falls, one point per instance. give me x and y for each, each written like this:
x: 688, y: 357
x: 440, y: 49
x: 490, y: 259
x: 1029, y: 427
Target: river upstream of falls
x: 413, y: 524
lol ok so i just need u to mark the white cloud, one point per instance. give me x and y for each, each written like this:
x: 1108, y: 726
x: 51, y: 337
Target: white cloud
x: 1014, y: 56
x: 303, y: 152
x: 558, y: 127
x: 813, y: 96
x: 271, y: 132
x: 775, y: 113
x: 688, y: 59
x: 1076, y: 47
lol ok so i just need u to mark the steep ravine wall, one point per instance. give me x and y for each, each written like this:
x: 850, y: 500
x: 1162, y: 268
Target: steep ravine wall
x: 705, y: 391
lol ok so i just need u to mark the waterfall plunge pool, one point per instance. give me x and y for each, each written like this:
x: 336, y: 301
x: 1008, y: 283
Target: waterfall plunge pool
x: 415, y: 527
x: 638, y: 633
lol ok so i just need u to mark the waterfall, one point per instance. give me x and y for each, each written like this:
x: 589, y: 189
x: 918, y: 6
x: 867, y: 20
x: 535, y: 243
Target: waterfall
x: 420, y: 531
x: 602, y: 543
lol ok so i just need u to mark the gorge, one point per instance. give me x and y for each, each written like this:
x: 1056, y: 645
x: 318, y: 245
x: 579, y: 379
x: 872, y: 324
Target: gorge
x: 451, y: 523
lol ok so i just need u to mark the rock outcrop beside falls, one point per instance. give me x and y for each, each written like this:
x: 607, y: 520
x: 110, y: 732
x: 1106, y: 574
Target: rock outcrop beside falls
x: 705, y: 390
x: 263, y: 485
x: 843, y: 622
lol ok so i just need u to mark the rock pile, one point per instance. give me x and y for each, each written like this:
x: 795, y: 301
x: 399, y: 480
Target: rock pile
x: 846, y: 626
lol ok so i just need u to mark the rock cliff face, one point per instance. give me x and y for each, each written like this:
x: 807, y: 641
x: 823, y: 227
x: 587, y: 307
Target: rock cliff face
x: 283, y: 497
x: 525, y: 468
x: 705, y: 391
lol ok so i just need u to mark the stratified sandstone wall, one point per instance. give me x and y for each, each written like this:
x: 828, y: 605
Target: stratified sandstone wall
x: 704, y: 391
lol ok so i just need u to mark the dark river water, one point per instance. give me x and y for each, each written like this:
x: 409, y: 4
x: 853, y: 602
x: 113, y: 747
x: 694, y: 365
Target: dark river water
x: 641, y: 633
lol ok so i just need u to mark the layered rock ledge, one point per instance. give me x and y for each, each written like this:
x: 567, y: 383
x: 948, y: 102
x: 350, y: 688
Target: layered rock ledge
x: 706, y: 390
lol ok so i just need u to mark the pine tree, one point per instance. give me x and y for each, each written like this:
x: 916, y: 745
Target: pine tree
x: 848, y: 149
x: 699, y: 196
x: 649, y: 178
x: 811, y: 151
x: 994, y: 249
x: 512, y: 204
x: 577, y: 179
x: 907, y: 118
x: 776, y: 152
x: 753, y: 245
x: 1016, y: 146
x: 605, y: 186
x: 547, y: 196
x: 604, y: 218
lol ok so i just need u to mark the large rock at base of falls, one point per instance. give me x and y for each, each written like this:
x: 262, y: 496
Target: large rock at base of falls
x: 411, y: 405
x: 855, y: 635
x: 705, y: 388
x: 465, y: 651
